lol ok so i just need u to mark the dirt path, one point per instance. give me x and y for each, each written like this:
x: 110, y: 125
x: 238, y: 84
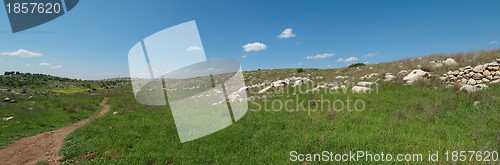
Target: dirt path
x: 45, y: 146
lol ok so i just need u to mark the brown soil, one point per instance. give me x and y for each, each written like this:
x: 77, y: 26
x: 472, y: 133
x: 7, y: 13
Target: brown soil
x: 45, y: 146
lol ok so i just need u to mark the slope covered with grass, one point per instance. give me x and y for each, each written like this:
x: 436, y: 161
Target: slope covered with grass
x: 397, y: 119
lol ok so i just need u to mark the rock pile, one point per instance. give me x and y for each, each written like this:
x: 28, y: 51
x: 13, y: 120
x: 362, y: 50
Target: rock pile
x: 472, y: 79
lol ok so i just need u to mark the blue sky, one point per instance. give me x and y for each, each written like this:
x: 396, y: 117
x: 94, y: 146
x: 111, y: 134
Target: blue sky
x: 92, y: 41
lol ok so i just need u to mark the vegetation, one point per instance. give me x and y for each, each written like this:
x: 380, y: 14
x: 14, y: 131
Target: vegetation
x: 40, y: 114
x: 397, y: 119
x: 356, y: 65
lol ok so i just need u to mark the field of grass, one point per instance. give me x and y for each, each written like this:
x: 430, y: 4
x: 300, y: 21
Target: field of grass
x: 70, y: 90
x: 41, y: 113
x: 397, y: 119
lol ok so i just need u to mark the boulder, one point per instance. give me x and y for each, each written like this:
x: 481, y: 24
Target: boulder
x: 478, y: 69
x: 264, y: 90
x: 389, y: 77
x: 472, y: 82
x: 473, y: 88
x: 359, y: 89
x: 415, y: 76
x: 449, y: 62
x: 6, y: 99
x: 437, y: 65
x: 7, y: 118
x: 487, y: 73
x: 366, y: 84
x: 402, y: 72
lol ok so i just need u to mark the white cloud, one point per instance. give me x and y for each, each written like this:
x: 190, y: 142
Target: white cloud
x: 350, y: 59
x: 299, y: 64
x: 44, y: 64
x: 256, y: 46
x: 370, y: 55
x: 492, y: 42
x: 21, y: 53
x: 27, y: 65
x: 244, y: 56
x: 193, y: 48
x: 56, y: 67
x: 320, y: 56
x: 287, y: 33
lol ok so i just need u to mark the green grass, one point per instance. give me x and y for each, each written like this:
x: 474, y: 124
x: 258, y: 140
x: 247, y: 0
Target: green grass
x: 40, y: 114
x: 69, y: 90
x: 397, y: 119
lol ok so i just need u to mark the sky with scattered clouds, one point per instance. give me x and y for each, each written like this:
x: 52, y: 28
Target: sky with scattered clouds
x: 92, y: 41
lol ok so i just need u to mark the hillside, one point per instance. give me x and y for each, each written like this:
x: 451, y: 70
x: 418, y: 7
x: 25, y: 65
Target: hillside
x: 22, y: 83
x: 309, y: 111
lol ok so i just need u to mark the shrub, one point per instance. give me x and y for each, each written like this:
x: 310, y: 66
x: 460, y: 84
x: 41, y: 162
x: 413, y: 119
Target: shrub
x: 356, y: 65
x: 300, y: 70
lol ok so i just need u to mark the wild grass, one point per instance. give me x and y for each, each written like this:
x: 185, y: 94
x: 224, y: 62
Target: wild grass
x: 69, y: 90
x: 397, y: 119
x: 40, y: 114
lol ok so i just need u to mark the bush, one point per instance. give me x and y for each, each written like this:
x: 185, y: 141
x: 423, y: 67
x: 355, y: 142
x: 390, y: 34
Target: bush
x: 356, y: 65
x: 300, y: 70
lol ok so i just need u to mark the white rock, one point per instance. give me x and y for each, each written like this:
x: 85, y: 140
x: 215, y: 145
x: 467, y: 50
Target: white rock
x: 437, y: 65
x: 415, y: 75
x: 389, y: 77
x: 8, y: 118
x: 472, y: 82
x: 471, y: 89
x: 264, y: 90
x: 402, y: 72
x: 366, y: 84
x: 478, y: 69
x: 358, y: 89
x: 449, y: 62
x: 115, y: 113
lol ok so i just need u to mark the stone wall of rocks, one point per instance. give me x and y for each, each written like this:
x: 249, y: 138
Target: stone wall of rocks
x: 474, y: 78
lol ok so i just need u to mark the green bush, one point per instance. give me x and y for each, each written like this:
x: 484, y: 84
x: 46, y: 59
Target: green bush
x: 356, y: 65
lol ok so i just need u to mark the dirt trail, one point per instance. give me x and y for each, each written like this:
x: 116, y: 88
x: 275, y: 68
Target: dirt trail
x: 44, y: 146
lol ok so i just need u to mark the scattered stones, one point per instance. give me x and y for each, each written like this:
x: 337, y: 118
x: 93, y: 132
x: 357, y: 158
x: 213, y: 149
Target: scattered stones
x: 369, y: 76
x: 281, y: 84
x: 447, y: 62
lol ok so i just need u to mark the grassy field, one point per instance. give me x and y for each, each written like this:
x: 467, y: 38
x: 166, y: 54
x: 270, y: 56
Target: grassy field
x: 40, y: 114
x: 70, y: 90
x: 397, y: 119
